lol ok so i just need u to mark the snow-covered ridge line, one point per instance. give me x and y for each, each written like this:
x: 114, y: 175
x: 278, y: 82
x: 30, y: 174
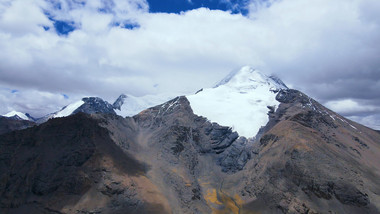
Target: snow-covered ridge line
x: 18, y: 114
x: 69, y: 109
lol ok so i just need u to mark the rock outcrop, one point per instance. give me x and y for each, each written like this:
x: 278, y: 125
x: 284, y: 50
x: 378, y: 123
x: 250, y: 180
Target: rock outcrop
x: 94, y: 105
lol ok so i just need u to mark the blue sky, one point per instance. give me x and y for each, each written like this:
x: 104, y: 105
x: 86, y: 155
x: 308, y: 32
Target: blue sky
x: 177, y: 6
x: 52, y: 48
x: 64, y: 27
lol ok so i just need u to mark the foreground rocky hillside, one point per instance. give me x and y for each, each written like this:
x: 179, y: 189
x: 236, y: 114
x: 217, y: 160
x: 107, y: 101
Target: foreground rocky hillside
x: 307, y: 159
x: 311, y: 160
x: 70, y: 165
x: 8, y: 124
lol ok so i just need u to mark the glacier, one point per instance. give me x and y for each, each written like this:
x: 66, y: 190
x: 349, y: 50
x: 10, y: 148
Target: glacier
x: 240, y: 101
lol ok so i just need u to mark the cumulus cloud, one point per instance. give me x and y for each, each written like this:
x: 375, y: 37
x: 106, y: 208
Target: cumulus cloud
x: 34, y: 102
x: 371, y: 120
x: 350, y: 107
x: 329, y: 50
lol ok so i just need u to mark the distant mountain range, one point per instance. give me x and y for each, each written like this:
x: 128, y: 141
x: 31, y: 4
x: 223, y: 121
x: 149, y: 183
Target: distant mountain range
x: 248, y: 145
x: 125, y: 105
x: 245, y: 88
x: 87, y: 105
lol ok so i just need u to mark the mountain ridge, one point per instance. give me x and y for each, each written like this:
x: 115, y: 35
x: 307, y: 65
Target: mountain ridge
x: 304, y: 161
x: 304, y: 158
x: 169, y: 158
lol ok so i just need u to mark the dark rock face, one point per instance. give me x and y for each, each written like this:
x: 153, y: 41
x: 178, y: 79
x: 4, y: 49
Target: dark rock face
x: 166, y: 120
x: 95, y: 105
x: 10, y: 124
x: 290, y: 96
x: 200, y: 90
x: 235, y: 157
x: 220, y: 137
x: 119, y: 101
x: 30, y: 117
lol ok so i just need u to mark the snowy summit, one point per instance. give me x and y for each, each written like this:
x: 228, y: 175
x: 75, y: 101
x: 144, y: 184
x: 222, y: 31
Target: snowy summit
x: 239, y: 101
x: 17, y: 114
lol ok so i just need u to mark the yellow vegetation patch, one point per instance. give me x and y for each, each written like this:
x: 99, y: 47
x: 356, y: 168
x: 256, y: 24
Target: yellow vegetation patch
x: 221, y: 203
x: 212, y: 197
x: 238, y: 200
x: 230, y: 205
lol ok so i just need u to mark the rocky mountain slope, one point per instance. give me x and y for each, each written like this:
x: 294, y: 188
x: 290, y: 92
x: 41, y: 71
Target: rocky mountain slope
x: 70, y: 165
x: 88, y: 105
x: 166, y: 159
x: 8, y: 124
x: 313, y: 160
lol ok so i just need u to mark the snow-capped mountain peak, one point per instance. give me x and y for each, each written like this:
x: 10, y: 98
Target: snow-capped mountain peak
x: 88, y: 105
x: 240, y: 100
x: 17, y: 114
x: 250, y: 78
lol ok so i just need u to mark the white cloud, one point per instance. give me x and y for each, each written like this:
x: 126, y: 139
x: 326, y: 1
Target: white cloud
x: 371, y: 121
x: 349, y: 107
x: 357, y: 110
x: 22, y: 17
x: 34, y: 102
x: 328, y: 49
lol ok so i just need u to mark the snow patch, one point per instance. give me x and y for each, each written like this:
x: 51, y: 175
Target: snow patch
x: 169, y: 106
x: 352, y: 126
x: 347, y: 123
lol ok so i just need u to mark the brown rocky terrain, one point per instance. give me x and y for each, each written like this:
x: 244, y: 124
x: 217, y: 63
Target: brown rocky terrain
x: 70, y: 165
x: 312, y: 160
x: 10, y: 124
x: 307, y: 159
